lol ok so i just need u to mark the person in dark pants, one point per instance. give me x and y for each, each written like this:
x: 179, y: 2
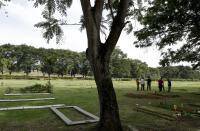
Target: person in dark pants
x: 149, y: 83
x: 138, y: 84
x: 169, y: 84
x: 142, y: 82
x: 160, y: 84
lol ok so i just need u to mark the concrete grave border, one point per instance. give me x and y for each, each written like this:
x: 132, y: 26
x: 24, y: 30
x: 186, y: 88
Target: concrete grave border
x: 29, y: 107
x: 24, y: 94
x: 55, y: 108
x: 34, y: 99
x: 155, y: 113
x: 194, y: 104
x: 67, y: 121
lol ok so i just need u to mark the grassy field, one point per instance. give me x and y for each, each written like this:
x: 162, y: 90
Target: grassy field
x: 83, y: 93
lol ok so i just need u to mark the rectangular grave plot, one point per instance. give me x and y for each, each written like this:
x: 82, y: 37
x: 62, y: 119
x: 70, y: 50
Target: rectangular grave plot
x: 30, y: 99
x: 73, y: 115
x: 159, y: 112
x: 167, y: 112
x: 13, y: 120
x: 29, y: 107
x: 195, y: 104
x: 24, y: 115
x: 25, y: 94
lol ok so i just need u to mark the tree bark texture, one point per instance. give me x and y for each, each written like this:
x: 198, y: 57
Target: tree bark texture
x: 109, y: 112
x: 99, y: 54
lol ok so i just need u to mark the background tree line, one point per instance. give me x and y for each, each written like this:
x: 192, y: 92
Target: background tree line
x: 27, y: 59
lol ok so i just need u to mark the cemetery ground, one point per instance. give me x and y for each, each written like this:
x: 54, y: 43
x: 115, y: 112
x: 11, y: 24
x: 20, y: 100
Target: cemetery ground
x: 160, y: 113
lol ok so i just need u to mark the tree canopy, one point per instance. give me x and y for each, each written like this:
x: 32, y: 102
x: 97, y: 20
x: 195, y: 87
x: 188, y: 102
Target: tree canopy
x: 27, y: 59
x: 170, y: 22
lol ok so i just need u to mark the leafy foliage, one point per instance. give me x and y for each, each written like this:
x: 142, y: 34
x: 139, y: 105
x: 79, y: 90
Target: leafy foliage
x: 169, y: 22
x: 52, y: 25
x: 52, y: 5
x: 2, y: 3
x: 62, y: 62
x: 38, y: 88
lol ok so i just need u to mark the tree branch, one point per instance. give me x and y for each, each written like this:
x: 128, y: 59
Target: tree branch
x: 111, y: 11
x: 98, y: 9
x: 87, y: 12
x: 117, y: 27
x: 71, y: 24
x: 92, y: 25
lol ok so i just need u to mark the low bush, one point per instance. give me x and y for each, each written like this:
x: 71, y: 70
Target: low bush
x: 125, y: 79
x: 38, y: 88
x: 9, y: 90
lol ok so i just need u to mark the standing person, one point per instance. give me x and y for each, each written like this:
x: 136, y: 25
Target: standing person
x: 138, y: 84
x: 163, y: 86
x: 149, y: 83
x: 142, y: 83
x: 160, y: 84
x: 169, y: 84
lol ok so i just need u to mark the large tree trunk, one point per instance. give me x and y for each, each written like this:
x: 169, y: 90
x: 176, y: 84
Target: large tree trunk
x: 99, y: 56
x: 109, y: 112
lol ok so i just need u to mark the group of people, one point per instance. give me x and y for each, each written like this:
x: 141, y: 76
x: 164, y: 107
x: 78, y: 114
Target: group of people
x: 161, y: 85
x: 148, y: 81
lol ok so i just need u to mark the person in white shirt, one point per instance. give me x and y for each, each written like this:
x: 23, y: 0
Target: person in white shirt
x: 142, y: 82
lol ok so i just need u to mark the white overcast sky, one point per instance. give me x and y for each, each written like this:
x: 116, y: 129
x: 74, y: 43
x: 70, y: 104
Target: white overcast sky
x: 16, y: 27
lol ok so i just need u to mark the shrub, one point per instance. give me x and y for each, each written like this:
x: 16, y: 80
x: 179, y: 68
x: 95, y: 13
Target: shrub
x: 38, y: 88
x: 49, y: 87
x: 125, y: 79
x: 9, y: 90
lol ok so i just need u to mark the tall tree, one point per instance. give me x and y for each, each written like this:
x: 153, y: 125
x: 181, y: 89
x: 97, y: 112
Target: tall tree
x: 2, y: 64
x: 61, y: 63
x: 84, y: 65
x: 169, y: 22
x: 26, y: 58
x: 49, y: 62
x: 2, y: 60
x: 98, y: 52
x: 120, y: 64
x: 138, y: 68
x: 9, y: 55
x: 99, y: 55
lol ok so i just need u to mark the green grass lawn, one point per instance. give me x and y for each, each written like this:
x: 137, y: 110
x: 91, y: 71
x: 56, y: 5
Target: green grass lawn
x: 83, y: 93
